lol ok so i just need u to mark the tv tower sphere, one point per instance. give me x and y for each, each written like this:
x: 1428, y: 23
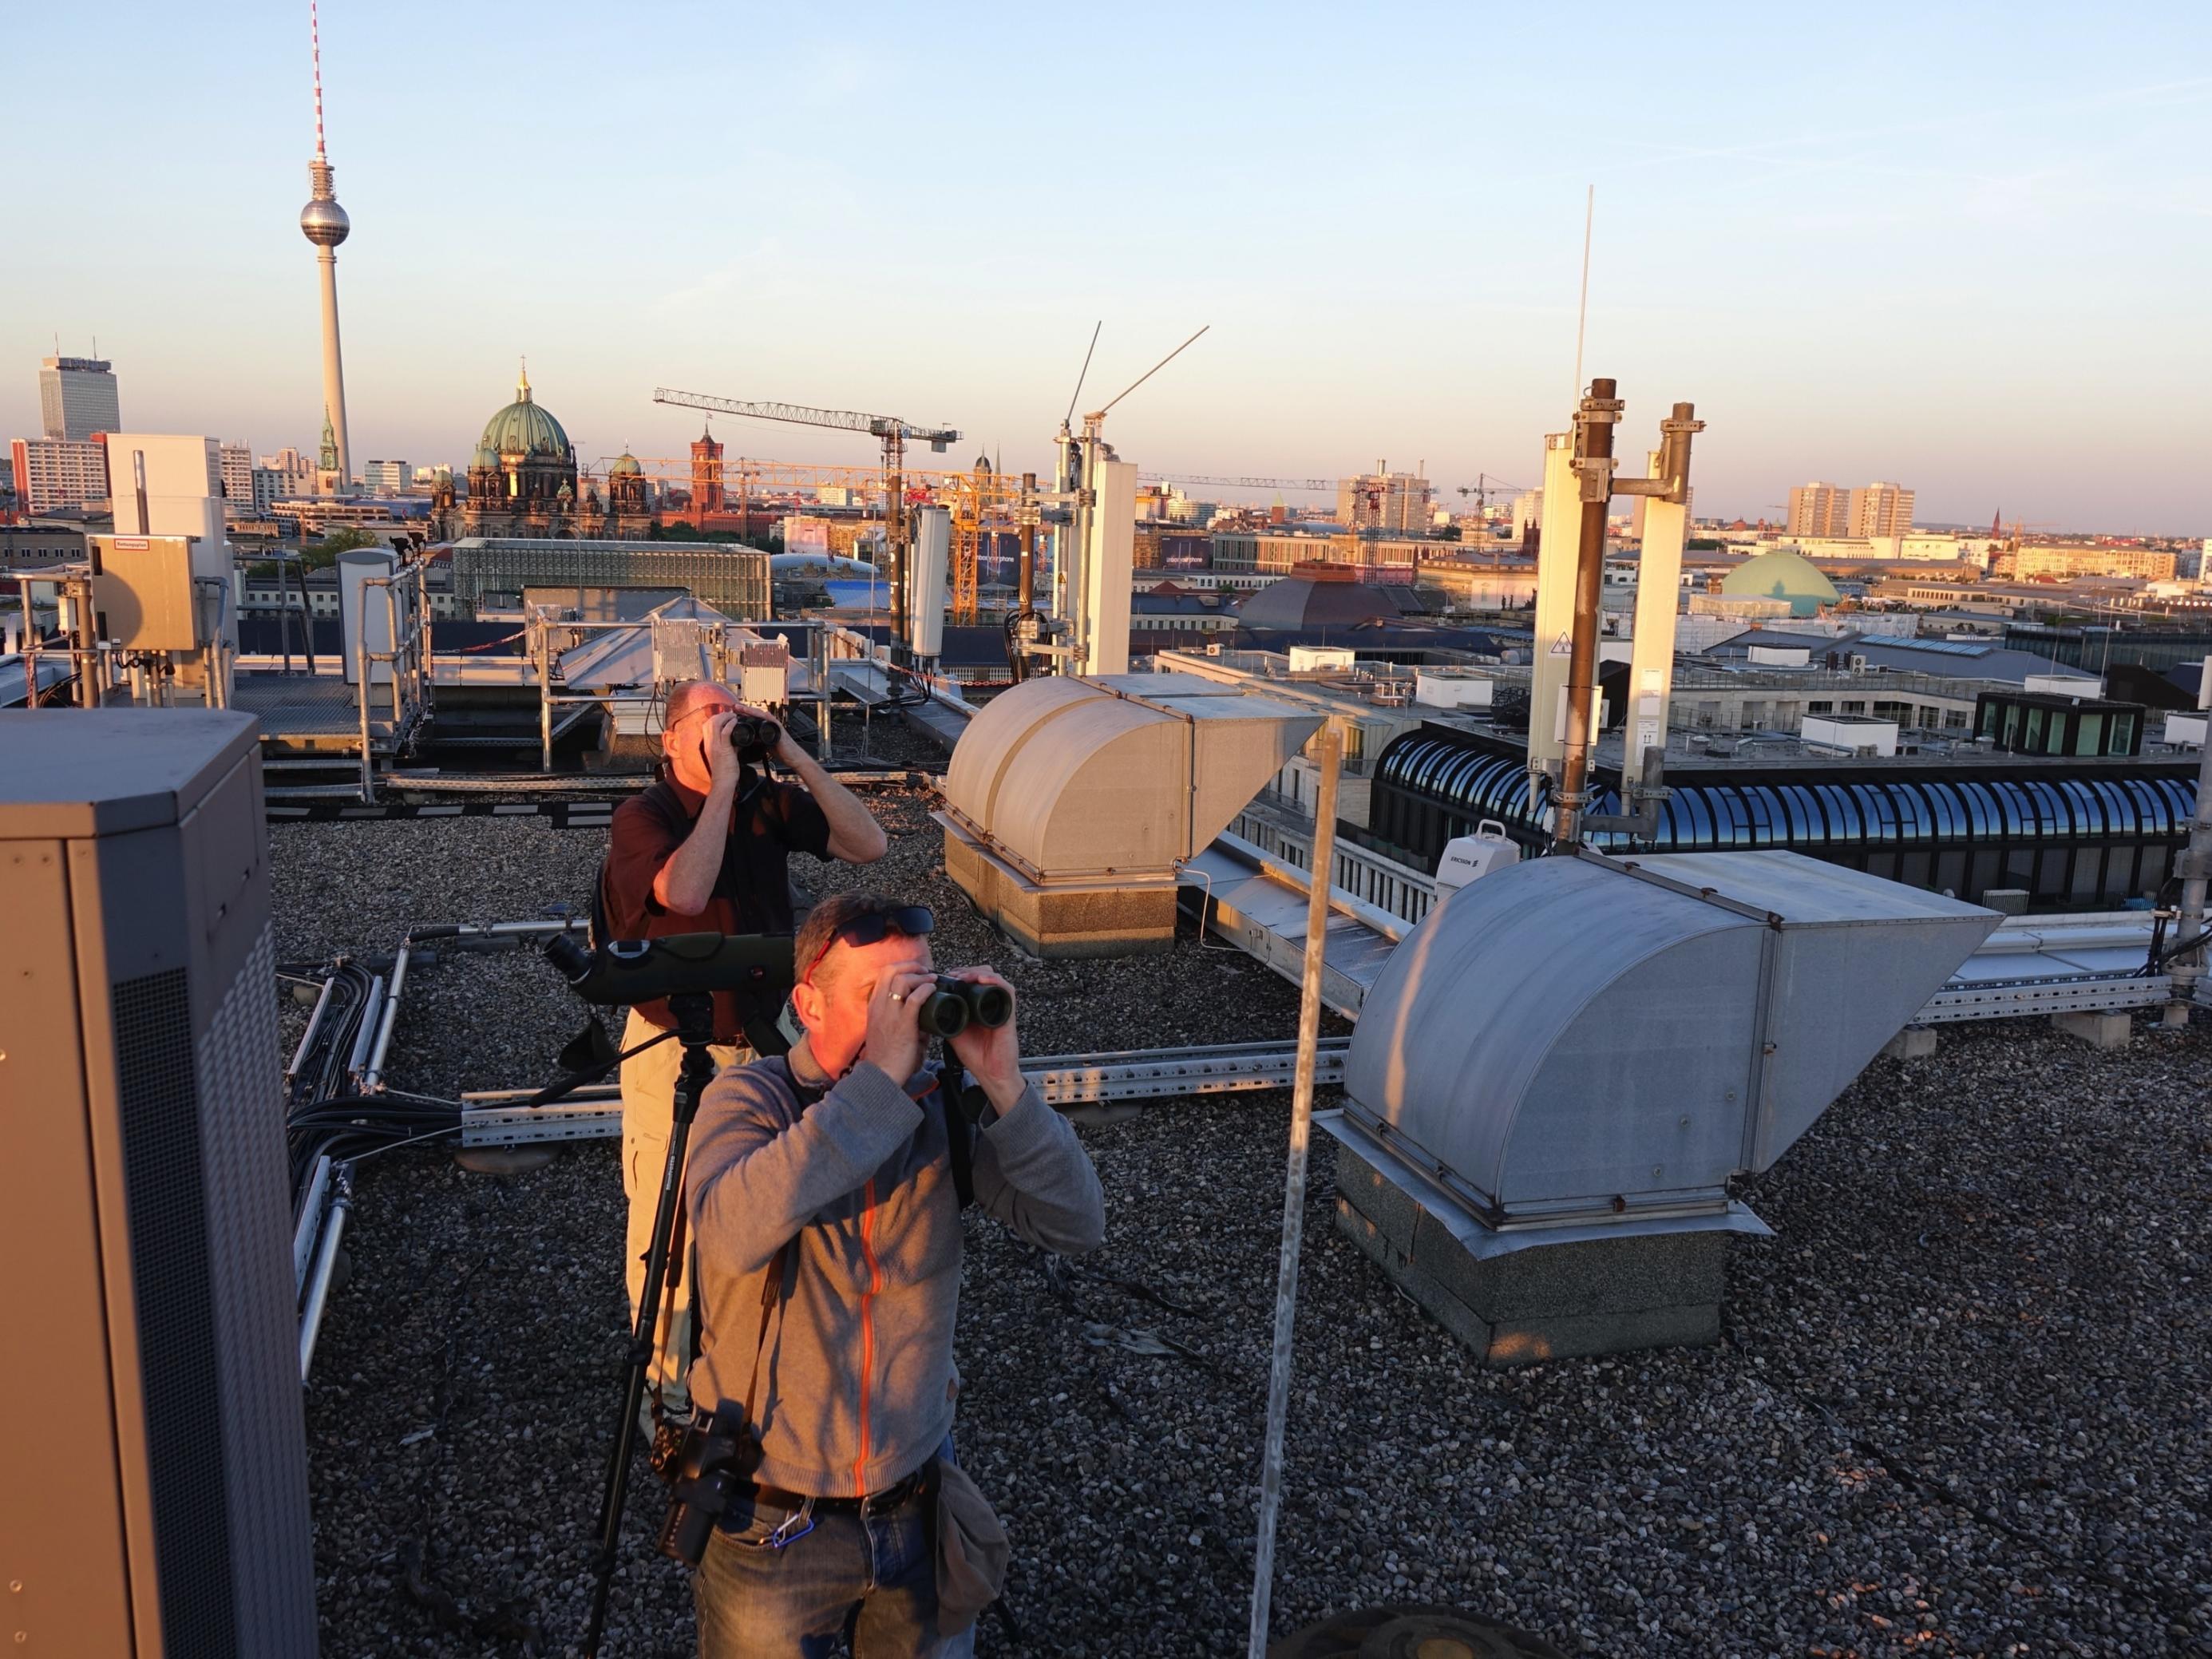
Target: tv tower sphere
x: 324, y: 223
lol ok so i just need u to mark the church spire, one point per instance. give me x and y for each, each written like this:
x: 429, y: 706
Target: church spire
x: 522, y: 384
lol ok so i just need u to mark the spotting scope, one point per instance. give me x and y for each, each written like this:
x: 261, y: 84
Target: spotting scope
x: 627, y: 971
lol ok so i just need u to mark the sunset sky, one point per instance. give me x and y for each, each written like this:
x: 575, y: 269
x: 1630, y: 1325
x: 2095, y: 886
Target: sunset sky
x: 1964, y: 248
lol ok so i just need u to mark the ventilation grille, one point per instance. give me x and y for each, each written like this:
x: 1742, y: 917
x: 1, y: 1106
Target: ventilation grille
x: 250, y: 1243
x: 177, y: 1337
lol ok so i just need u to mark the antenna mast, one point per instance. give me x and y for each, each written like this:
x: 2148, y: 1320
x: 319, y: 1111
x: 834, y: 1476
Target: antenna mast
x: 315, y: 47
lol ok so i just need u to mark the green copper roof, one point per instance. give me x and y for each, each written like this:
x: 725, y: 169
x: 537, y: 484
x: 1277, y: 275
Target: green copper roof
x: 523, y: 428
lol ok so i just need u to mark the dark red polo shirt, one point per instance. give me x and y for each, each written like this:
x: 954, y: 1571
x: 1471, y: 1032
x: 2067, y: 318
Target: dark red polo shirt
x: 769, y: 821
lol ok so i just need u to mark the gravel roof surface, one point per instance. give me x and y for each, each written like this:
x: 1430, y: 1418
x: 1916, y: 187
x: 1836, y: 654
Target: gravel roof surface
x: 1959, y: 1406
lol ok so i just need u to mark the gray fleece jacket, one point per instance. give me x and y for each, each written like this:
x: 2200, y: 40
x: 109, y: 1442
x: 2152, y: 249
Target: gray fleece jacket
x: 857, y: 1383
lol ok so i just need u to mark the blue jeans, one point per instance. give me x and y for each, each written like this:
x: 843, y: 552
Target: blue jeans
x: 872, y: 1578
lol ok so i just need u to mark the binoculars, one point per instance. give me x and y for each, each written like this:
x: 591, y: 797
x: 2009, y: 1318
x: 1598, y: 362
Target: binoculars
x: 957, y: 1004
x: 752, y: 735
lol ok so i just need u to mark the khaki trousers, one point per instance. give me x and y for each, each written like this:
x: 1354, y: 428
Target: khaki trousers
x: 648, y: 1097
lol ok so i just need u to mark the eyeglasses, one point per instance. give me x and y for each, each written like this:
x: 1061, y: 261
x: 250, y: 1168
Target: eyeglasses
x: 709, y: 708
x: 910, y: 921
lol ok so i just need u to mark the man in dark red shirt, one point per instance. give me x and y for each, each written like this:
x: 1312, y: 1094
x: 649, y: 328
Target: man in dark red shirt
x: 704, y: 850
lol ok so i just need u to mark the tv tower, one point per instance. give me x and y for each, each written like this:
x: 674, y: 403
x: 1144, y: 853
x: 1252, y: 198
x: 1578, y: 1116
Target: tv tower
x: 324, y: 223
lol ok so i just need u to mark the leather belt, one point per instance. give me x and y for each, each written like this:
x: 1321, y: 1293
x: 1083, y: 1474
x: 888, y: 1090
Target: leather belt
x: 874, y: 1502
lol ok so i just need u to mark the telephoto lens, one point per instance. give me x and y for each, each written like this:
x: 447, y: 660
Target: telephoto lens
x: 957, y: 1004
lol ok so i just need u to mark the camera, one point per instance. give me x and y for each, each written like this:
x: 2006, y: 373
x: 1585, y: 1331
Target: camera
x: 718, y: 1457
x: 957, y: 1004
x: 753, y: 736
x: 624, y: 972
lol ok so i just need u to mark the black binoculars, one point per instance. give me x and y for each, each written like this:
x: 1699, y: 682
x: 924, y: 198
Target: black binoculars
x: 957, y: 1004
x: 750, y: 734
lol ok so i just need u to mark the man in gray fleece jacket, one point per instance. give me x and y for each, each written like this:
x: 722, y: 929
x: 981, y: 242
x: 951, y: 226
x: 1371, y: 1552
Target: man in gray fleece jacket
x: 831, y: 1166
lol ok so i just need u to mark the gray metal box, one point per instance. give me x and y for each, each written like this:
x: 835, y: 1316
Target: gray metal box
x: 144, y: 593
x: 154, y: 1462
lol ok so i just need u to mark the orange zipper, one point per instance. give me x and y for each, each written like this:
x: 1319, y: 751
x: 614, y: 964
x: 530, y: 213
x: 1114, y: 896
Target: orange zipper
x: 867, y: 1329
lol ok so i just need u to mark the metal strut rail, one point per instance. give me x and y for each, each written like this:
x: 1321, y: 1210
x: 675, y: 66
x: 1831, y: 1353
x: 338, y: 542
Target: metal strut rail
x: 490, y: 1117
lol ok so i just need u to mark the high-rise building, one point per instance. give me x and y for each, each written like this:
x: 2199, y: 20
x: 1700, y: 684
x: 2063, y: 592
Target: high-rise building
x: 384, y: 477
x: 1381, y: 500
x: 1820, y: 509
x: 324, y: 223
x: 77, y: 397
x: 52, y: 472
x: 1881, y: 509
x: 286, y: 475
x: 1528, y: 512
x: 237, y: 481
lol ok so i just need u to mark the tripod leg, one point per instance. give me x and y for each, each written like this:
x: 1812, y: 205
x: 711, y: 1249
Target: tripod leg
x: 698, y: 1072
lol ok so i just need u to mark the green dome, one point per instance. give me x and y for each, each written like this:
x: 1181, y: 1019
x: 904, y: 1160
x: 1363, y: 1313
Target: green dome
x: 526, y: 429
x: 1781, y: 575
x: 485, y: 456
x: 625, y: 465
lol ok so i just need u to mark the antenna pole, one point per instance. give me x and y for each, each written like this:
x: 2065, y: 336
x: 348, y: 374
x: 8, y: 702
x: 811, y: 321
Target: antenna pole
x: 1319, y: 877
x: 1582, y: 311
x: 315, y: 45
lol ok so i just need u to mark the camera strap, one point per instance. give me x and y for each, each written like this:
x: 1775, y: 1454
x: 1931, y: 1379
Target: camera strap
x: 771, y: 1299
x: 959, y: 1127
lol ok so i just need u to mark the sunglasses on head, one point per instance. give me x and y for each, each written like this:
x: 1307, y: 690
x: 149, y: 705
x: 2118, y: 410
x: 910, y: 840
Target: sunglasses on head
x: 908, y: 921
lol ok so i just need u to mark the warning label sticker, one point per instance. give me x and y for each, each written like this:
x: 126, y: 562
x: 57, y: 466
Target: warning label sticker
x: 1560, y: 647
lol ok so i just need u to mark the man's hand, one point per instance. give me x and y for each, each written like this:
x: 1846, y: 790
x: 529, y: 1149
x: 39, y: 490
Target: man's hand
x: 785, y: 751
x: 895, y: 1041
x: 992, y: 1054
x: 723, y: 764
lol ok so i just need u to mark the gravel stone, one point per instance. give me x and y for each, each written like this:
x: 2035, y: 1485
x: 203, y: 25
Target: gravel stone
x: 1959, y: 1405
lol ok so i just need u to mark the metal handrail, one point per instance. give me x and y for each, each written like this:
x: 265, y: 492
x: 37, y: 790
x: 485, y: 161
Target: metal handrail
x: 407, y: 657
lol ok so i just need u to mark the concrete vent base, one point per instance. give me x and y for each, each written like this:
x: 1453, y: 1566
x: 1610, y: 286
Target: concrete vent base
x: 1562, y: 1301
x: 1102, y: 917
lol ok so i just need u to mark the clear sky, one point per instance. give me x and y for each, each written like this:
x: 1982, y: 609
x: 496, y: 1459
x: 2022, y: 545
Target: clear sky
x: 1962, y: 247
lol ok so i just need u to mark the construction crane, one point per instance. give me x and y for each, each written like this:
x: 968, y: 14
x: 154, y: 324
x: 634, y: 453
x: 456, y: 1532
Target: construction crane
x: 894, y: 433
x: 1480, y: 488
x: 1239, y: 483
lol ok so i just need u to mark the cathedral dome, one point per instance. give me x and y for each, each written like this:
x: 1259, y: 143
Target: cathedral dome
x: 625, y: 465
x: 1782, y: 574
x: 525, y: 428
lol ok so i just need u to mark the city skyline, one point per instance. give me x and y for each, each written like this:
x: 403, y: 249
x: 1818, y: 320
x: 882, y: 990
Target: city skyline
x: 1957, y: 272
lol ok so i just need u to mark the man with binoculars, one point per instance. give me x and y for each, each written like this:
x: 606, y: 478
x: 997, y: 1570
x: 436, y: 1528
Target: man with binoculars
x: 824, y: 1189
x: 705, y: 850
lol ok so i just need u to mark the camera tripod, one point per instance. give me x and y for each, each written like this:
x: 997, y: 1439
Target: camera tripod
x: 695, y: 1030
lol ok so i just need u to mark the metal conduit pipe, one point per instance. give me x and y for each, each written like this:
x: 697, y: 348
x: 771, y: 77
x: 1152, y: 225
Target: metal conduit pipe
x: 309, y: 1224
x: 371, y: 1077
x: 308, y: 1036
x: 326, y: 1261
x: 372, y: 1010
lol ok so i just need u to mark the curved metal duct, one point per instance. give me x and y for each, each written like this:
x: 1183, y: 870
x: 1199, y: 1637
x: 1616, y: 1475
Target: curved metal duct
x: 1580, y: 1049
x: 1104, y: 785
x: 1594, y: 1037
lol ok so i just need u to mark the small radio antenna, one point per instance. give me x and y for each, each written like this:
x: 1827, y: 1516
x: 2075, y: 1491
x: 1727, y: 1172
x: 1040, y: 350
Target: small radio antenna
x: 1086, y: 375
x: 1157, y: 367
